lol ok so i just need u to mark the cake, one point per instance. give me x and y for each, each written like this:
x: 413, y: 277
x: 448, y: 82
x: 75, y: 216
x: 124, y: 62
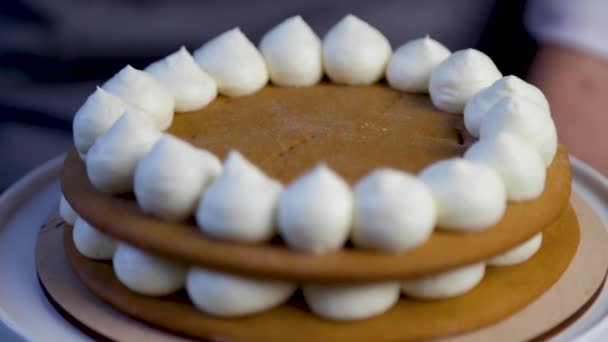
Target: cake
x: 356, y: 192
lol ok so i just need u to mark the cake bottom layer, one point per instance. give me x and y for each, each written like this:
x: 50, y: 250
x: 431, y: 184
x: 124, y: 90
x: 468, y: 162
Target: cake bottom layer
x: 502, y: 292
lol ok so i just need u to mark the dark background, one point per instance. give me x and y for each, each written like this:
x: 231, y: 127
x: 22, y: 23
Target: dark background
x: 54, y: 53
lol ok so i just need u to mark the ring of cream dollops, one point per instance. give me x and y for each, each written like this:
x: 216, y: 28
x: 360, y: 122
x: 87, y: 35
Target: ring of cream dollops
x: 118, y: 133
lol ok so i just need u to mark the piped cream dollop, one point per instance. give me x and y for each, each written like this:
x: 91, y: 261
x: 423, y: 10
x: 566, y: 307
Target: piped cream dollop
x: 412, y: 63
x: 240, y: 204
x: 234, y: 62
x: 520, y: 166
x: 459, y: 77
x: 143, y: 91
x: 66, y: 212
x: 229, y: 295
x: 445, y: 285
x: 191, y: 87
x: 480, y: 103
x: 523, y: 118
x: 98, y: 113
x: 351, y: 302
x: 171, y: 177
x: 112, y: 160
x: 354, y: 52
x: 394, y: 212
x: 315, y: 212
x: 518, y: 254
x: 293, y: 55
x: 469, y: 197
x: 147, y: 274
x: 92, y: 243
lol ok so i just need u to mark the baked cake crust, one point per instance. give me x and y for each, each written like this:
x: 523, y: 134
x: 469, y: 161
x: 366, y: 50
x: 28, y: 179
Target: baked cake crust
x: 353, y: 129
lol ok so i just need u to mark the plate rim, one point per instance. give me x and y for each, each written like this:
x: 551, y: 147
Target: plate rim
x: 14, y: 197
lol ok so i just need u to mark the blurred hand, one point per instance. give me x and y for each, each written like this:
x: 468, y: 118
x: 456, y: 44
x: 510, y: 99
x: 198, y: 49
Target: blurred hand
x: 576, y: 85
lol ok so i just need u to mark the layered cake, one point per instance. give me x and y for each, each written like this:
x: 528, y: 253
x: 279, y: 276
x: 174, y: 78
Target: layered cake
x: 327, y: 199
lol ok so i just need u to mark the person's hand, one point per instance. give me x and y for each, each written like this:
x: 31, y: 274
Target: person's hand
x: 576, y: 85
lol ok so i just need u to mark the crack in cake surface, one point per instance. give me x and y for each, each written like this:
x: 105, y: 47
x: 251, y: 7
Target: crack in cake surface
x: 286, y: 131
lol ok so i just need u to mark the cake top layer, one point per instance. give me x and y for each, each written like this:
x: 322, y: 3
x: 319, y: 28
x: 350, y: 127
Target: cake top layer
x: 297, y: 145
x: 122, y: 218
x: 354, y: 129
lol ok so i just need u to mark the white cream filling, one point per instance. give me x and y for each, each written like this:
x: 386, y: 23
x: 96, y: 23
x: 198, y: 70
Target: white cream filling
x: 293, y: 55
x: 66, y: 212
x: 234, y: 62
x: 519, y: 165
x: 394, y: 212
x: 469, y: 197
x: 191, y: 87
x: 240, y: 204
x: 518, y: 254
x: 315, y: 212
x: 92, y: 243
x: 354, y: 52
x: 99, y: 112
x: 141, y: 90
x: 412, y: 63
x: 351, y: 302
x: 229, y: 295
x: 526, y: 119
x: 171, y: 177
x: 112, y: 160
x: 147, y: 274
x: 459, y: 77
x: 445, y: 285
x: 480, y: 103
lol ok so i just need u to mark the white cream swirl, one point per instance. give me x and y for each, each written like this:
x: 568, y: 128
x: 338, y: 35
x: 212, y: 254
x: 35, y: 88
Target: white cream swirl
x: 230, y: 295
x: 526, y: 119
x: 459, y: 77
x: 147, y: 274
x: 518, y: 254
x: 394, y: 212
x: 315, y: 212
x: 234, y: 62
x: 112, y: 160
x: 141, y: 90
x: 171, y: 177
x: 469, y: 197
x: 66, y: 212
x: 445, y: 285
x: 191, y: 87
x: 95, y: 117
x: 92, y: 243
x: 480, y: 103
x: 240, y: 204
x: 351, y: 302
x: 412, y: 63
x: 354, y: 52
x: 293, y: 55
x: 517, y: 162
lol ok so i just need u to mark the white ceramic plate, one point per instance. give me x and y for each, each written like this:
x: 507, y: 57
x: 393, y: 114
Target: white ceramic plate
x: 26, y: 314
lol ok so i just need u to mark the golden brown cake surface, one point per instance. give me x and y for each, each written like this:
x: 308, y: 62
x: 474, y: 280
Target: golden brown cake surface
x: 354, y: 129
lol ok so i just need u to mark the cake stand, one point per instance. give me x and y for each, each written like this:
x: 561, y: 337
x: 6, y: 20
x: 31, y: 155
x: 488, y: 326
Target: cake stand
x: 26, y: 314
